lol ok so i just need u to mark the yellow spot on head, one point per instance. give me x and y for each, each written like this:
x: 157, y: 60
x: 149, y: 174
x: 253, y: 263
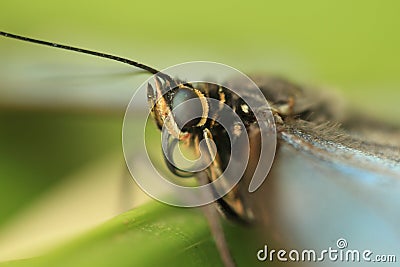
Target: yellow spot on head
x: 245, y: 108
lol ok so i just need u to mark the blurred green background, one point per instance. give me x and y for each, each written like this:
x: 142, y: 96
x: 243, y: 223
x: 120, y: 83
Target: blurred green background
x: 61, y: 113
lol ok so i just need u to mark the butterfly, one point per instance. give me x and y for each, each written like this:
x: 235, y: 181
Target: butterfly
x: 327, y: 166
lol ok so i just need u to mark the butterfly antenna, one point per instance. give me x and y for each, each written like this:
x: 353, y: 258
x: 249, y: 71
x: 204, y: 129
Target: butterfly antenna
x: 89, y: 52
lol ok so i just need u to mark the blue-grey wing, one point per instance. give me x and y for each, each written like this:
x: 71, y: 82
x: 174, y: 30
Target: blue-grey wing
x: 333, y: 180
x: 312, y: 201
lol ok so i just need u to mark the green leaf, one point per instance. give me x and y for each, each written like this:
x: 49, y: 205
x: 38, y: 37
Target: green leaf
x: 151, y: 235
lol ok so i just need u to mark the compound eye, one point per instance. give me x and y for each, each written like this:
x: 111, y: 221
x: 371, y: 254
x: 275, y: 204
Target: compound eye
x: 189, y: 108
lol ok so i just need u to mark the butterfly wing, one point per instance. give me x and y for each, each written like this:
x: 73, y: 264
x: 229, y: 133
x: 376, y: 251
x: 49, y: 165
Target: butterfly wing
x: 333, y: 180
